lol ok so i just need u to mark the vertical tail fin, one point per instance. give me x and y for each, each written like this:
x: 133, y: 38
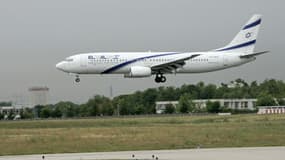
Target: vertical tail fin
x: 245, y: 40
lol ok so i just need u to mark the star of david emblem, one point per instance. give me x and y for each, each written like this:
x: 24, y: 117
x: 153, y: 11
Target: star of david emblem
x: 248, y: 35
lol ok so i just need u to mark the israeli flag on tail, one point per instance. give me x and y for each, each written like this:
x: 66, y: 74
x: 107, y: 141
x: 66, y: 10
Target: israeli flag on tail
x: 245, y: 40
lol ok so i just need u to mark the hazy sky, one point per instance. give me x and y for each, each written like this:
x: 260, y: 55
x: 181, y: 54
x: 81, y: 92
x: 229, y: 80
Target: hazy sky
x: 35, y: 35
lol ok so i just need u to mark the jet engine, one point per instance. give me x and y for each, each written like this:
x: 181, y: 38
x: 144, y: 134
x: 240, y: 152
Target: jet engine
x: 138, y: 72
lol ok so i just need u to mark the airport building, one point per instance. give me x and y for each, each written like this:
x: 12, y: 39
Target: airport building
x: 15, y: 110
x: 7, y: 109
x: 271, y: 110
x: 239, y: 104
x: 37, y: 96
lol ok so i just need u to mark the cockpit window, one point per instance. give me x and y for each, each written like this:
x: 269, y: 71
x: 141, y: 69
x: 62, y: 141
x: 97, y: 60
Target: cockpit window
x: 69, y: 59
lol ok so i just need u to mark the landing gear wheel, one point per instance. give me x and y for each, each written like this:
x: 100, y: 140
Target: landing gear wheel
x: 77, y: 79
x: 159, y: 78
x: 163, y: 79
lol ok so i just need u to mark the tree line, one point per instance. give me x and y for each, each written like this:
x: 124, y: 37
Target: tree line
x: 269, y: 92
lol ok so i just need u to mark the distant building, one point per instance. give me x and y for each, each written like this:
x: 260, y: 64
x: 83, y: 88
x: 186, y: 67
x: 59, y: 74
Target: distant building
x: 160, y: 106
x: 271, y: 110
x: 229, y: 103
x: 7, y: 110
x: 238, y: 104
x: 38, y: 95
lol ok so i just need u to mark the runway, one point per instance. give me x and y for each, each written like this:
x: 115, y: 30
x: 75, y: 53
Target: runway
x: 257, y: 153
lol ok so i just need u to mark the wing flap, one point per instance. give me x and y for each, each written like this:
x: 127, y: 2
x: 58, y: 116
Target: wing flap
x: 170, y: 67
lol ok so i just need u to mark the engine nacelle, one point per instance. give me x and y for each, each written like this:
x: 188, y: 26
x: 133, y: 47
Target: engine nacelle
x: 138, y: 72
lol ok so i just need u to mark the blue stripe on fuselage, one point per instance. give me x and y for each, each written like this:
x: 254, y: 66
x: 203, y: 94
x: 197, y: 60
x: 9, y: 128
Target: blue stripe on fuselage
x: 257, y: 22
x: 134, y: 60
x: 238, y: 46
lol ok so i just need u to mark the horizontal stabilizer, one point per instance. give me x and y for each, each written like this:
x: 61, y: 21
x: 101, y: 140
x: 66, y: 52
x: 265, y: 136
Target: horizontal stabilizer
x: 253, y: 54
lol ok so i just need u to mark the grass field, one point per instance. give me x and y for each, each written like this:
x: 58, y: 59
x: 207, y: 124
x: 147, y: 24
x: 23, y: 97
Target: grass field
x: 144, y: 133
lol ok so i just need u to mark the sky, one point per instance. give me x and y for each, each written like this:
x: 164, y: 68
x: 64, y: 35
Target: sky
x: 35, y: 35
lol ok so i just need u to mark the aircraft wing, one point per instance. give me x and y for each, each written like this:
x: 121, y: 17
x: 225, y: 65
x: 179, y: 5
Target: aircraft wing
x: 253, y: 54
x: 170, y: 67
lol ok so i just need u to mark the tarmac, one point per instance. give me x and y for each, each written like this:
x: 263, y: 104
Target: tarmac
x: 254, y: 153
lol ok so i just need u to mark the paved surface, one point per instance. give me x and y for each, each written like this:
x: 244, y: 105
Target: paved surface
x: 259, y: 153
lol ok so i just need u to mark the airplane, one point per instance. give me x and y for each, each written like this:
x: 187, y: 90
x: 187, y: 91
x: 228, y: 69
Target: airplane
x: 145, y: 64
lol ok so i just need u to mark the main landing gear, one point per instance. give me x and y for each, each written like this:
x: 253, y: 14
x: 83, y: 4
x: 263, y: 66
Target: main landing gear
x: 160, y: 78
x: 77, y: 79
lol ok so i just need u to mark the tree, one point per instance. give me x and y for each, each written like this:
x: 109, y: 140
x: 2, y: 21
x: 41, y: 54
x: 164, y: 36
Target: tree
x: 93, y: 107
x: 281, y: 101
x: 169, y: 109
x: 84, y: 111
x: 45, y: 112
x: 149, y: 97
x: 143, y: 102
x: 107, y: 108
x: 27, y: 113
x: 99, y: 105
x: 126, y: 106
x: 140, y: 109
x: 38, y: 109
x: 71, y: 111
x: 213, y: 107
x: 208, y: 91
x: 56, y: 112
x: 266, y: 100
x: 167, y: 94
x: 191, y: 89
x: 64, y: 109
x: 240, y: 82
x: 185, y: 103
x: 1, y: 116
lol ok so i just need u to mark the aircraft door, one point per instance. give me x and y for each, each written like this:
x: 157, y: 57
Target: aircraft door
x: 83, y: 63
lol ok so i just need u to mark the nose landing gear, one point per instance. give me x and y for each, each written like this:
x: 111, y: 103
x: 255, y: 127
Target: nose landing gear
x: 160, y: 78
x: 77, y: 79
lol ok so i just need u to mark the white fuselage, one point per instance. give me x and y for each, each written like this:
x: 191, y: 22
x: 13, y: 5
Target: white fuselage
x: 121, y: 62
x: 144, y: 64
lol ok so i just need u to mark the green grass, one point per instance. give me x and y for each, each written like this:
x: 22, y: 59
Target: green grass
x: 144, y: 133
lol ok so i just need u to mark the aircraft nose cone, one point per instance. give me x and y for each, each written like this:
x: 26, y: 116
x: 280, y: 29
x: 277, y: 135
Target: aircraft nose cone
x: 59, y: 66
